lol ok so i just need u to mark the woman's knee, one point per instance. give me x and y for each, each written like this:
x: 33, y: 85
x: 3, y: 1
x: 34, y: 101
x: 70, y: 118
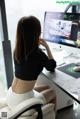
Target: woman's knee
x: 41, y: 88
x: 50, y: 95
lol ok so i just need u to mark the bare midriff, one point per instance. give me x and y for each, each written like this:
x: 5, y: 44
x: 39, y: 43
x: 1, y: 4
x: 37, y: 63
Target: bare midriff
x: 21, y: 86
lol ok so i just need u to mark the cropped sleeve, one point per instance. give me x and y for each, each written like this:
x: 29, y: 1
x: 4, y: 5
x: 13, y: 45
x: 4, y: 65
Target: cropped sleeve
x: 49, y: 64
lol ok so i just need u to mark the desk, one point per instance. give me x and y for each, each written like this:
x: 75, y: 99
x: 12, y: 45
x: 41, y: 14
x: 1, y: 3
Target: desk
x: 64, y: 54
x: 68, y: 84
x: 67, y: 87
x: 65, y: 82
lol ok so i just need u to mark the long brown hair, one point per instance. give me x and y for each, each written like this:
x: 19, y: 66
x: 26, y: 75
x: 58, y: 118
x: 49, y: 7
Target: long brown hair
x: 27, y: 36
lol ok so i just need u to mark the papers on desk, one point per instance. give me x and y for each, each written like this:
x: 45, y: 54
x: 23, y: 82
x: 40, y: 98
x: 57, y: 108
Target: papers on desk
x: 60, y: 56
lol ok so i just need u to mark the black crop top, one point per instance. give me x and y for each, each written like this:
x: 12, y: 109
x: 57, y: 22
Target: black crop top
x: 30, y: 68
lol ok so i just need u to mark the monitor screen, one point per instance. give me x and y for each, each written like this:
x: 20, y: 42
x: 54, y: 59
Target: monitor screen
x: 62, y: 28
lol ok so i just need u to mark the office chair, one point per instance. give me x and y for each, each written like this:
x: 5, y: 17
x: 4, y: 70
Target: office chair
x: 29, y: 109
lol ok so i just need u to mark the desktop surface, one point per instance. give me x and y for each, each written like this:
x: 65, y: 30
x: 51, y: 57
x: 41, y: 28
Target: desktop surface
x: 64, y: 54
x: 65, y: 81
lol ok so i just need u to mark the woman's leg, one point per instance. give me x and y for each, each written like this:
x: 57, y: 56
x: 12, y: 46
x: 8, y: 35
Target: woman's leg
x: 40, y: 88
x: 50, y: 96
x: 48, y: 93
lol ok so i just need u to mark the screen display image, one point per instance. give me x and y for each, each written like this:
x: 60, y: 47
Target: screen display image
x: 62, y: 28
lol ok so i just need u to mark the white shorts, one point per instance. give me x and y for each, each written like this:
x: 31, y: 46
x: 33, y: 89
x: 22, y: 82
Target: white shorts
x: 14, y: 99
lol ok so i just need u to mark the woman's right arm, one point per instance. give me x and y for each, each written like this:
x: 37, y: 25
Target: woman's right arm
x: 48, y: 61
x: 43, y: 43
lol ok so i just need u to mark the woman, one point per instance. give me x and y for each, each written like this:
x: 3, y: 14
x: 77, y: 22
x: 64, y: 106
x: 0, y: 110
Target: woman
x: 29, y: 61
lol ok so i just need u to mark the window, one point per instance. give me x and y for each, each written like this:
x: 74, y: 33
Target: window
x: 3, y: 82
x: 6, y: 69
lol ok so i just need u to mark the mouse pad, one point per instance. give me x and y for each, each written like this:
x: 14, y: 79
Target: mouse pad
x: 68, y: 69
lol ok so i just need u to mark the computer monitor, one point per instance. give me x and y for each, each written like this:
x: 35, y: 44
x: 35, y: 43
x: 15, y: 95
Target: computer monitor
x: 62, y: 28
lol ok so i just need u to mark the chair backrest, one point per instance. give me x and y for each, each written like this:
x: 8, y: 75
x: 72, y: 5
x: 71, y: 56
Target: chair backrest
x: 47, y: 111
x: 26, y: 110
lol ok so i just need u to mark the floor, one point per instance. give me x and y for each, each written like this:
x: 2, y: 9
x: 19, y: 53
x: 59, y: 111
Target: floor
x: 72, y: 112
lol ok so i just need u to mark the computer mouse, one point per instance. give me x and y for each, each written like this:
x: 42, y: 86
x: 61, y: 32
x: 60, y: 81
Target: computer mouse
x: 76, y: 68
